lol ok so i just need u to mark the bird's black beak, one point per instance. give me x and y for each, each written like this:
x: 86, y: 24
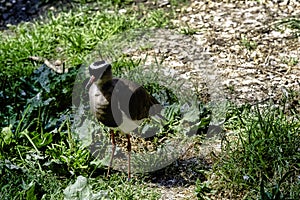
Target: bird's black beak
x: 91, y: 81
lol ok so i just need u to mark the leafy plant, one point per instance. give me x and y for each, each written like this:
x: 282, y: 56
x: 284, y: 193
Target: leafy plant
x: 28, y: 182
x: 45, y: 94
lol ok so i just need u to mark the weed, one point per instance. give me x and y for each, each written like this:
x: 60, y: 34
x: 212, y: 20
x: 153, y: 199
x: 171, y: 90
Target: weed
x: 290, y: 61
x: 248, y: 44
x: 202, y: 189
x: 291, y: 23
x: 187, y: 30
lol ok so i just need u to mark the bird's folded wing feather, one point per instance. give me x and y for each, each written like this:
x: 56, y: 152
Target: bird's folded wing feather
x: 134, y: 100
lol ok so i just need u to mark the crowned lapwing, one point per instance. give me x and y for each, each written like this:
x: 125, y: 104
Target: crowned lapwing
x: 118, y: 103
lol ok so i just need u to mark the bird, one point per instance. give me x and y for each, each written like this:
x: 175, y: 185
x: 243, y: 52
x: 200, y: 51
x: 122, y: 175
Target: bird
x: 118, y: 104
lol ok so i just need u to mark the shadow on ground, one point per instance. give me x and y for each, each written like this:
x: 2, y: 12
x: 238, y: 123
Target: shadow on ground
x: 182, y: 172
x: 16, y: 11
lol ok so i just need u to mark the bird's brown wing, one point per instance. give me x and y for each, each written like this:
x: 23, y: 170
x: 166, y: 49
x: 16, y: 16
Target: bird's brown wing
x: 134, y: 100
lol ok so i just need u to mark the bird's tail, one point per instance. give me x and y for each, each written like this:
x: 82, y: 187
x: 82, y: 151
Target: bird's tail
x: 155, y: 112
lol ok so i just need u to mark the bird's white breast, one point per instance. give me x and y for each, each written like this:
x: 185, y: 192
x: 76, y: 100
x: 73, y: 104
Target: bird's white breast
x: 128, y: 124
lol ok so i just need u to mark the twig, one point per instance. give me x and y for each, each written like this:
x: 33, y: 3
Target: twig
x: 56, y: 68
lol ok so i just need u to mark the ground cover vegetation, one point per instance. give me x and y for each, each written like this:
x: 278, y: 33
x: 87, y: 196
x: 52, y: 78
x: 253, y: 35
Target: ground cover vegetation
x: 41, y: 158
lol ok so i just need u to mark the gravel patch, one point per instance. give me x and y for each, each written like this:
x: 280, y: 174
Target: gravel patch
x: 255, y: 56
x: 240, y: 51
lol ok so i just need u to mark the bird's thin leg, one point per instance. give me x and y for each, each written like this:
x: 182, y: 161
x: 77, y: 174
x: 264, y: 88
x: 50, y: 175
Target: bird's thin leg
x: 113, y: 141
x: 129, y: 153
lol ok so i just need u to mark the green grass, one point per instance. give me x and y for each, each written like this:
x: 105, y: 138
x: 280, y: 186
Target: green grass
x: 68, y: 36
x: 260, y: 158
x: 289, y: 23
x: 31, y: 183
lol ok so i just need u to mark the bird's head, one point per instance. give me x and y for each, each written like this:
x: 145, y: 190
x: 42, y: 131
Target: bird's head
x: 100, y: 72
